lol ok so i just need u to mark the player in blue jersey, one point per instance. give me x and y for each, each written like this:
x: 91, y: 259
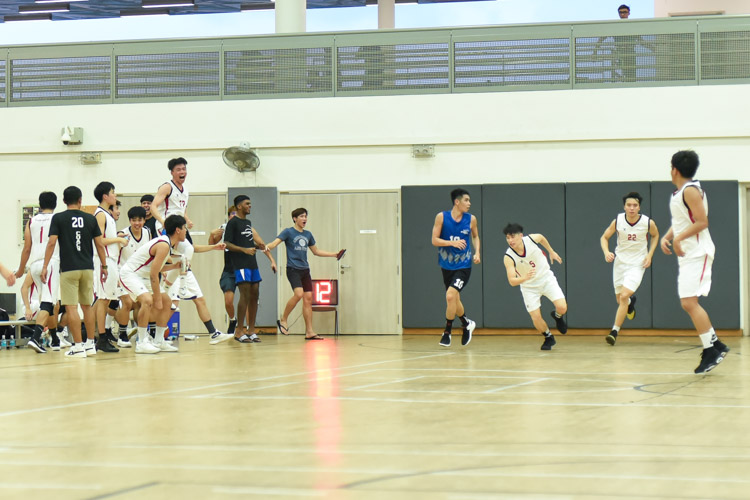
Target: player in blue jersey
x: 451, y: 234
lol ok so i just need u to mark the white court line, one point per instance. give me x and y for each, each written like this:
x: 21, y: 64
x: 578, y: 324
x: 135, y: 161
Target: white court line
x: 499, y: 403
x: 198, y: 388
x: 477, y: 393
x: 504, y: 387
x: 270, y: 491
x: 547, y: 372
x: 383, y: 383
x: 636, y: 477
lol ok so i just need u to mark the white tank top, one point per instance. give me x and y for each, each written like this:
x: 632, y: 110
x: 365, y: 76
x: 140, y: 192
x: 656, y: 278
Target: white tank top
x: 111, y: 250
x: 699, y: 244
x: 140, y: 261
x: 176, y: 202
x: 632, y: 239
x: 39, y: 230
x: 532, y: 258
x: 133, y: 244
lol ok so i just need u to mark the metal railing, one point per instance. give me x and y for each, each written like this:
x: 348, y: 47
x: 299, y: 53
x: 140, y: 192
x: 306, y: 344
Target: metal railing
x: 633, y: 53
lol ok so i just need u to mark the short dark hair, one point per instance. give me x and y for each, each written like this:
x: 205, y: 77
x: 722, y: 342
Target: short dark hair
x: 240, y: 198
x: 101, y: 189
x: 297, y: 212
x: 137, y: 212
x: 457, y: 194
x: 512, y: 228
x: 633, y: 195
x: 686, y: 162
x: 72, y: 195
x: 147, y: 197
x: 47, y: 200
x: 623, y: 6
x: 173, y: 222
x: 176, y: 161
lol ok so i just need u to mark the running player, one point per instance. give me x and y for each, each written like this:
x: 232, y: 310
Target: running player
x: 78, y: 234
x: 297, y: 240
x: 141, y: 281
x: 691, y: 241
x: 36, y: 238
x: 632, y: 256
x: 526, y: 265
x: 450, y: 234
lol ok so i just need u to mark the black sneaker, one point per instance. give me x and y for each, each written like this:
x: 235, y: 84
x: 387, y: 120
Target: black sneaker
x: 548, y: 343
x: 110, y: 338
x: 722, y: 348
x: 468, y: 330
x: 560, y: 323
x: 232, y: 326
x: 104, y: 346
x: 631, y: 307
x: 710, y: 357
x: 445, y: 340
x: 36, y: 345
x: 54, y: 345
x: 612, y: 337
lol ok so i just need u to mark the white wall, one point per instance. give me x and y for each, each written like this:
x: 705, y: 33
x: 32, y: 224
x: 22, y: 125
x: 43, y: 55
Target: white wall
x: 365, y: 143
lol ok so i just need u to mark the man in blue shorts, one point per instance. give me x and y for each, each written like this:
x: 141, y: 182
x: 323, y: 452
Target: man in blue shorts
x: 242, y: 241
x: 298, y: 240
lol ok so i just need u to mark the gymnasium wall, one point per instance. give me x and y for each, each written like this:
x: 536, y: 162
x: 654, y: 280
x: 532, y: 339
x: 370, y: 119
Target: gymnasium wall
x: 573, y: 217
x: 364, y: 143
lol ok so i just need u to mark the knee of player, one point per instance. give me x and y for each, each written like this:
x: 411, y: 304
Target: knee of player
x: 299, y: 293
x: 561, y: 308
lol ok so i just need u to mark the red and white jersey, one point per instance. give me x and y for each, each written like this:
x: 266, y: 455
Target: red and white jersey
x: 632, y: 239
x: 112, y: 250
x: 533, y: 258
x: 133, y: 243
x: 140, y: 261
x: 39, y: 229
x: 699, y: 244
x: 176, y: 203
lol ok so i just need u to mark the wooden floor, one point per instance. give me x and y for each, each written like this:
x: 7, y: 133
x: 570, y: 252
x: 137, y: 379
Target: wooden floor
x: 367, y: 417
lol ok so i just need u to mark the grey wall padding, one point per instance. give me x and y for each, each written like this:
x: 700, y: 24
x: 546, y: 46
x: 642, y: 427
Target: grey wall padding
x: 590, y: 208
x: 423, y: 291
x: 723, y: 303
x: 539, y: 208
x: 263, y: 215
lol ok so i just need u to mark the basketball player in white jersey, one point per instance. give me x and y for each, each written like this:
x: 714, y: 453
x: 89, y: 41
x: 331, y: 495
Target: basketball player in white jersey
x: 526, y: 265
x: 691, y: 241
x: 36, y: 237
x: 632, y: 256
x: 106, y: 292
x: 137, y: 235
x: 140, y: 279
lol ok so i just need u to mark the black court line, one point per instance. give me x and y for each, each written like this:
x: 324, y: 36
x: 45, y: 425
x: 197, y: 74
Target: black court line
x: 126, y: 490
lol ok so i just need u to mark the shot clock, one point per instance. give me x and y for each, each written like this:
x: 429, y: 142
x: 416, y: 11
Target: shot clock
x: 325, y: 292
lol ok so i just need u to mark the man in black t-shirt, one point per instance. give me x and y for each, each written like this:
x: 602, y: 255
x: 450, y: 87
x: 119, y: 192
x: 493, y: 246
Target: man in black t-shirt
x: 242, y: 240
x: 76, y: 232
x: 226, y: 281
x: 150, y: 222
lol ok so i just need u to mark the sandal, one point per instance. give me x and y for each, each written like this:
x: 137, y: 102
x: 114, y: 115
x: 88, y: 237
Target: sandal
x: 314, y: 337
x: 244, y: 339
x: 284, y: 330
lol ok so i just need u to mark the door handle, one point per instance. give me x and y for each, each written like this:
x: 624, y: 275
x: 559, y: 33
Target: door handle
x: 343, y: 266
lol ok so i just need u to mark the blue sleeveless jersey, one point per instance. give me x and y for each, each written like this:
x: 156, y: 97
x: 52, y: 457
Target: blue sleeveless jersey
x: 452, y: 258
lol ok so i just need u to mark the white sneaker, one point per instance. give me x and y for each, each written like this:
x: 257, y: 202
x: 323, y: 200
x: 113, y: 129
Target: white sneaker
x: 145, y: 347
x: 123, y: 343
x: 218, y: 337
x: 90, y: 349
x: 164, y: 346
x: 132, y: 332
x: 72, y: 353
x: 63, y: 341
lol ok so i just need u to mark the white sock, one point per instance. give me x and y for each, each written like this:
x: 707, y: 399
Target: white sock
x: 108, y: 321
x: 706, y: 339
x: 89, y: 342
x: 142, y: 333
x: 547, y: 334
x: 714, y: 338
x: 160, y: 333
x: 616, y: 328
x: 78, y: 346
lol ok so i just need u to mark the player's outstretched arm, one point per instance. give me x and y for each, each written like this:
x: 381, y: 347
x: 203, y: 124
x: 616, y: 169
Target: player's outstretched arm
x: 322, y: 253
x: 215, y: 236
x: 208, y: 248
x: 604, y: 241
x: 270, y: 246
x: 10, y: 278
x: 26, y: 252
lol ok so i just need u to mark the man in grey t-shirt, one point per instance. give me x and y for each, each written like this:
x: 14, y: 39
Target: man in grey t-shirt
x: 297, y: 241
